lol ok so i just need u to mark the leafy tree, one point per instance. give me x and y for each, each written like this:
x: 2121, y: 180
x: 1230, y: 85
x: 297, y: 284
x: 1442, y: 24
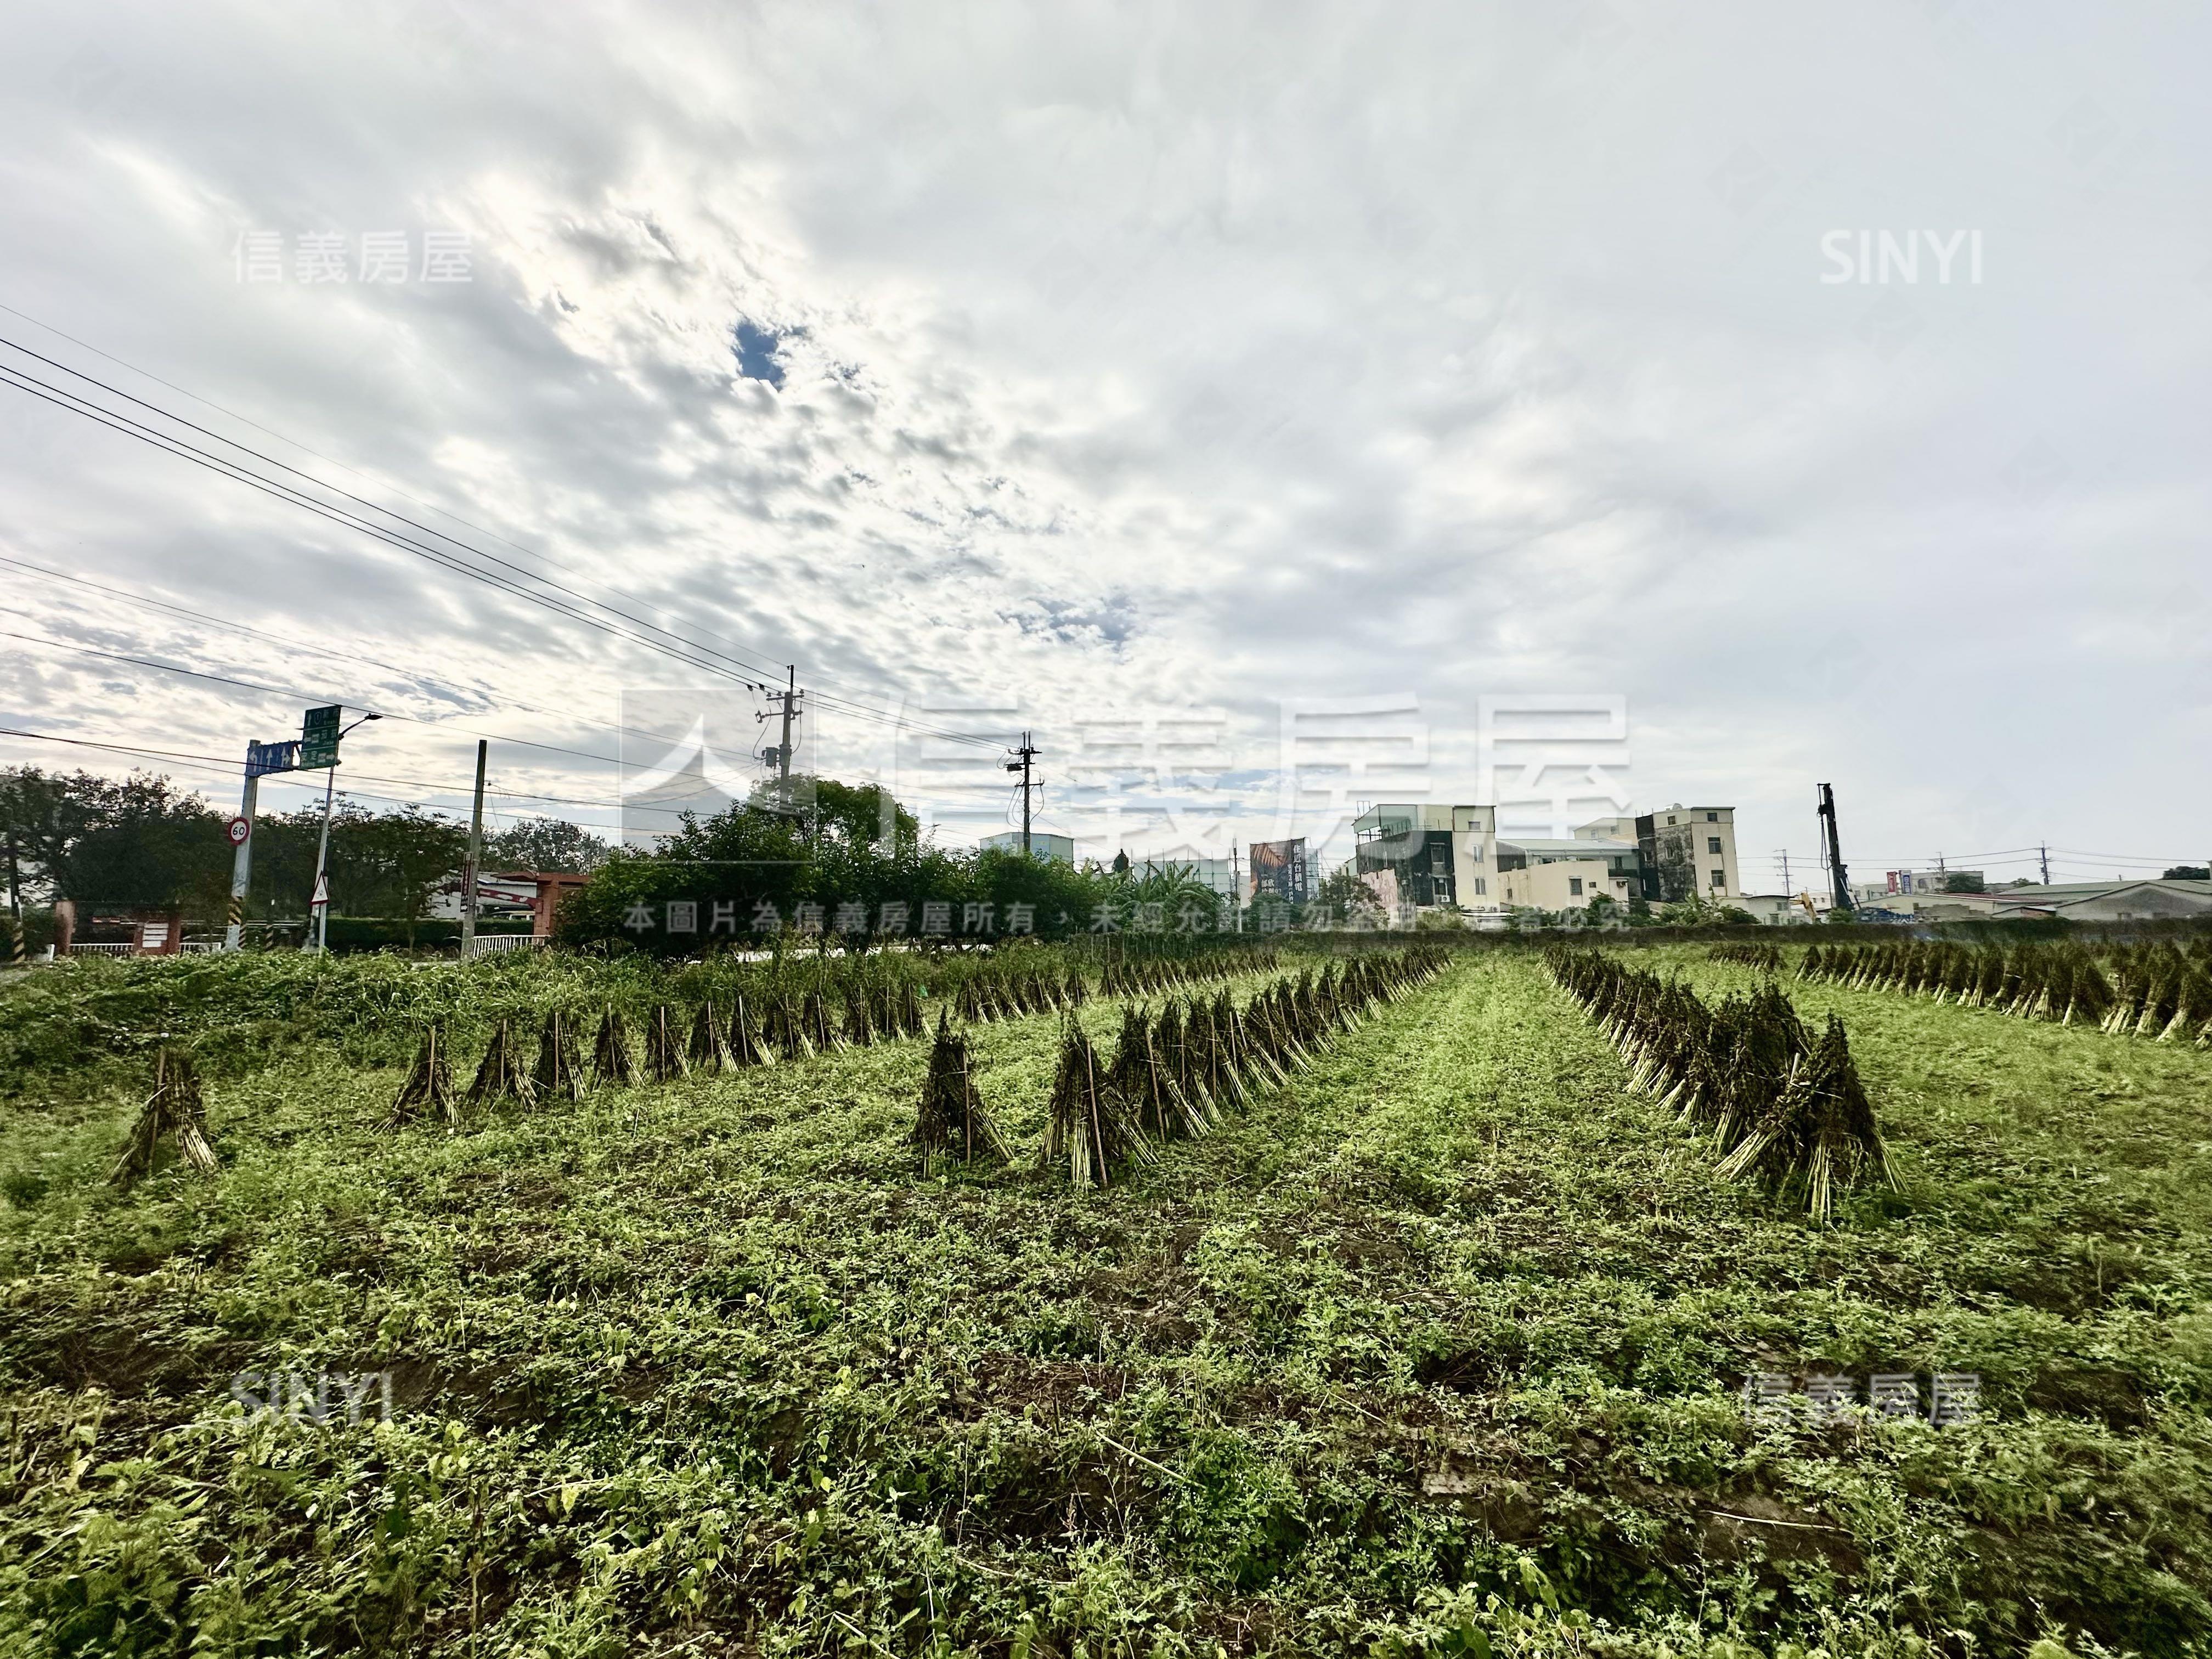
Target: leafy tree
x: 749, y: 868
x: 402, y: 857
x: 1963, y: 881
x: 2188, y: 873
x: 546, y: 844
x: 138, y: 839
x: 1344, y: 898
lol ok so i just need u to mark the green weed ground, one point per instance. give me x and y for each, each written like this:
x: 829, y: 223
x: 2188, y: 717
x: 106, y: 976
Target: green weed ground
x: 1434, y: 1351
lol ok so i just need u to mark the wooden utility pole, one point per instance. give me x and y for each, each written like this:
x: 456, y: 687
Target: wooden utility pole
x: 470, y: 870
x: 1023, y: 755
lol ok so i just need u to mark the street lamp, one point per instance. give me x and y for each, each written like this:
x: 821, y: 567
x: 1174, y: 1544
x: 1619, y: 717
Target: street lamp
x: 320, y: 902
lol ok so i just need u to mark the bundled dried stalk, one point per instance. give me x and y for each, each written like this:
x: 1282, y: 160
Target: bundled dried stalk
x: 860, y: 1018
x: 814, y: 1018
x: 1143, y: 1080
x: 708, y: 1050
x: 783, y: 1030
x: 1818, y: 1134
x: 559, y: 1074
x: 1782, y: 1109
x: 174, y: 1116
x: 610, y: 1057
x: 664, y: 1046
x: 1090, y: 1131
x: 428, y: 1092
x: 952, y: 1123
x: 747, y: 1048
x: 502, y: 1074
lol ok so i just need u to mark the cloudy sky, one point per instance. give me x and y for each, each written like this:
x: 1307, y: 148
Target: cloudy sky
x: 1204, y: 389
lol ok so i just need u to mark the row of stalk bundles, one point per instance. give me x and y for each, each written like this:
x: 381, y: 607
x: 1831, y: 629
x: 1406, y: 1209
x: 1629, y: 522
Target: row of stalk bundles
x: 990, y: 990
x: 1767, y: 957
x: 714, y: 1038
x: 1141, y: 976
x: 2152, y: 990
x: 1174, y: 1075
x: 1783, y: 1108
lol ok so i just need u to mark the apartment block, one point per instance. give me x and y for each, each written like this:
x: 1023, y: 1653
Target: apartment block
x: 1436, y: 854
x: 1681, y: 849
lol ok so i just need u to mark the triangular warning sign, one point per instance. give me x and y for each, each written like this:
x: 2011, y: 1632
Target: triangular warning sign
x: 322, y: 890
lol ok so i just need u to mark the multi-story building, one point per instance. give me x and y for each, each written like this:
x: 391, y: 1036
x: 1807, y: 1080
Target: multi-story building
x: 1681, y: 849
x: 1936, y: 881
x: 1440, y: 855
x: 1565, y: 875
x: 1436, y: 854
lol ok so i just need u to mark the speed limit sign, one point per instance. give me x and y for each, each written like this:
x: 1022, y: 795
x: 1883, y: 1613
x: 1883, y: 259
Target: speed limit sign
x: 238, y: 829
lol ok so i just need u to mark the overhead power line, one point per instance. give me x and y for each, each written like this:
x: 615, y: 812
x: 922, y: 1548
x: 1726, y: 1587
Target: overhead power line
x: 228, y: 625
x: 230, y: 764
x: 298, y: 695
x: 225, y: 466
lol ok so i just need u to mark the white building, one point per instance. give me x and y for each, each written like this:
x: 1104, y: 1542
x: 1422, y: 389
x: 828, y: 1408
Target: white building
x: 1058, y: 849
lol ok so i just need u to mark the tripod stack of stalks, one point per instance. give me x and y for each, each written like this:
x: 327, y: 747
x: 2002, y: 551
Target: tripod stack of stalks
x: 1781, y: 1106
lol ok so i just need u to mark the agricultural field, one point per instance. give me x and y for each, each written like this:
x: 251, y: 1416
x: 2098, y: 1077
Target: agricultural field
x: 1440, y: 1346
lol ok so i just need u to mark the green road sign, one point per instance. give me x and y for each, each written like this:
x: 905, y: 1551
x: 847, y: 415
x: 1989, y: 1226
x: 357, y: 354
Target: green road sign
x: 319, y: 738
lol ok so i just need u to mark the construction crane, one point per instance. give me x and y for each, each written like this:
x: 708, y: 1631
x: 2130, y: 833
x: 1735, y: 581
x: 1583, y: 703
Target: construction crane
x: 1837, y: 874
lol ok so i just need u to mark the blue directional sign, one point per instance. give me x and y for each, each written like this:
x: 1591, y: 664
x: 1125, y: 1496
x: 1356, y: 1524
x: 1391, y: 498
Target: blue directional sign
x: 263, y: 759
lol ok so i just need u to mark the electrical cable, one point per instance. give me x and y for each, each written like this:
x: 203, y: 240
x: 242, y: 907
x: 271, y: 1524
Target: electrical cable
x: 304, y: 697
x: 289, y: 644
x: 231, y: 766
x: 78, y: 404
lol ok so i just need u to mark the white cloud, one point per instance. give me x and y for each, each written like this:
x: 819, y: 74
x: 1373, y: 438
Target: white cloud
x: 1203, y: 359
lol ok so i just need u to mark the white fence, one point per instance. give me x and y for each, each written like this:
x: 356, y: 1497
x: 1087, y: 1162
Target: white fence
x: 122, y: 949
x: 485, y: 945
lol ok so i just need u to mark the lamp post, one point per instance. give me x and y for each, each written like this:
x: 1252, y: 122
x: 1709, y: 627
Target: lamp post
x: 321, y: 900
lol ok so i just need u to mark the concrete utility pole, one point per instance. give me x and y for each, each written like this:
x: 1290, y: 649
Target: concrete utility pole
x: 781, y: 752
x: 1783, y: 852
x: 242, y: 861
x: 2043, y: 857
x: 318, y: 902
x: 1025, y: 755
x: 1837, y: 874
x: 469, y: 875
x: 15, y: 946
